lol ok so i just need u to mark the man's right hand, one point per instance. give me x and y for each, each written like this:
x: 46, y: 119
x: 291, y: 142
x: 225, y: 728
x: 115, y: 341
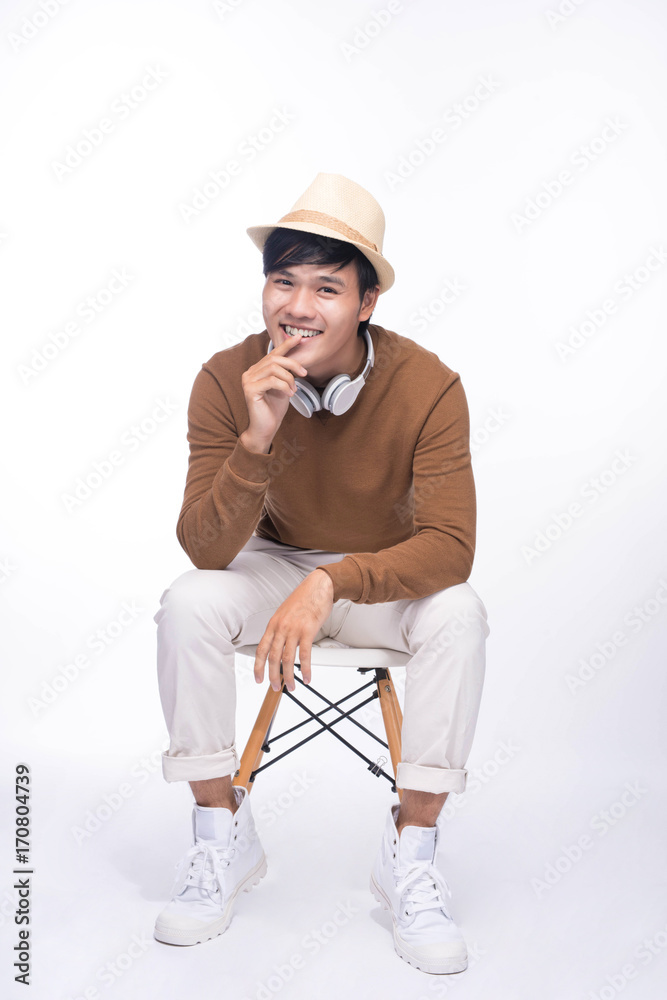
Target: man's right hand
x: 268, y: 387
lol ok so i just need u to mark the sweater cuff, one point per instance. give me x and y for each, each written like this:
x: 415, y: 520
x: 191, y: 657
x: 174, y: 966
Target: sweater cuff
x: 347, y: 578
x: 250, y: 465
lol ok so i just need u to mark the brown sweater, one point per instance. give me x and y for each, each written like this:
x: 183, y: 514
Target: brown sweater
x: 390, y: 481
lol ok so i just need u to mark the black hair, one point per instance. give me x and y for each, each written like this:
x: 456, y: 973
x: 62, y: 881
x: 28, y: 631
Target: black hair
x: 287, y: 247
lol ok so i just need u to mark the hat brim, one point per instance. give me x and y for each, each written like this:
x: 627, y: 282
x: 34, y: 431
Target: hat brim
x: 384, y: 270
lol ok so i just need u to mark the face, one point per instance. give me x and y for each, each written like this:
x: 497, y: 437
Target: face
x: 318, y: 297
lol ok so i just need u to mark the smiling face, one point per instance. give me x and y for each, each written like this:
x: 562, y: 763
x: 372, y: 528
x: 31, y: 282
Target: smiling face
x: 317, y: 297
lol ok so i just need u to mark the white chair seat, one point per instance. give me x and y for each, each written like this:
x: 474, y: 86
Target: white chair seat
x: 331, y: 653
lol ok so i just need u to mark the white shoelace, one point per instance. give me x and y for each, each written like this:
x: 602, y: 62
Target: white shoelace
x: 421, y: 887
x: 204, y: 866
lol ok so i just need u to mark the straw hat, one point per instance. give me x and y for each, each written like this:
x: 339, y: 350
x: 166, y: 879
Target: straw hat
x: 337, y: 207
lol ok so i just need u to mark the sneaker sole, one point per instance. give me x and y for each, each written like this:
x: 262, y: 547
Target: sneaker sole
x: 172, y: 935
x: 443, y: 966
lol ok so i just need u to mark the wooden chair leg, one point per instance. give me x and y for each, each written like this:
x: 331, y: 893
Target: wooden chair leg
x: 393, y: 721
x: 398, y: 713
x: 253, y: 753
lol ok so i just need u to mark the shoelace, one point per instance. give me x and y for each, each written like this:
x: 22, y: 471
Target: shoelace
x: 204, y: 866
x: 422, y: 887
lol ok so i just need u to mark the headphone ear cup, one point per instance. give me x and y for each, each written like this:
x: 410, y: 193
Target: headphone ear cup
x: 343, y: 395
x: 306, y: 399
x: 335, y: 395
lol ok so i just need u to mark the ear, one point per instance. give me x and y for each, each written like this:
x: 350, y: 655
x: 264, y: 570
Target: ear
x: 368, y: 305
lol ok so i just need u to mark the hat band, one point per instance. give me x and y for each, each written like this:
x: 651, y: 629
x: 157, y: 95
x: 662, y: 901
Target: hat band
x: 308, y: 215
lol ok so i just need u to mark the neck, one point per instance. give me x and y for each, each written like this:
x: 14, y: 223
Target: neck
x: 362, y: 351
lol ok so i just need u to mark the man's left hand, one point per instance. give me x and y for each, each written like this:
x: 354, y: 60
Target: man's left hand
x: 295, y: 623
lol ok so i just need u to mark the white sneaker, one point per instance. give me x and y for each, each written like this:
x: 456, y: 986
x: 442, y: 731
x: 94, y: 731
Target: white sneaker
x: 225, y: 859
x: 407, y: 883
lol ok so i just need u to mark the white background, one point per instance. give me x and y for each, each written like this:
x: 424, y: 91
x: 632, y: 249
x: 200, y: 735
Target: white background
x: 361, y: 100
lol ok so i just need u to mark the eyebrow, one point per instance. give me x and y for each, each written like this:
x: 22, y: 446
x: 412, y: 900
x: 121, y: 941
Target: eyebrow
x: 328, y: 279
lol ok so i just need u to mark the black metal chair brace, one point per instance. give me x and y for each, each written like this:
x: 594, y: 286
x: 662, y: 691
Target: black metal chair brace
x: 260, y: 741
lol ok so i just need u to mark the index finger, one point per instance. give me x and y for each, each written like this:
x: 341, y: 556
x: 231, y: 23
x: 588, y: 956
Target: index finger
x: 287, y: 344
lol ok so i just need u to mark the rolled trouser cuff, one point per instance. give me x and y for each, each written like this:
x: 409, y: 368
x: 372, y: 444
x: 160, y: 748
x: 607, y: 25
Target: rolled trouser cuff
x: 189, y: 768
x: 430, y: 779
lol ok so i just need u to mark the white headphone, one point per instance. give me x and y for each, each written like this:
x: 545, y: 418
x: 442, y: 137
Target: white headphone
x: 339, y: 393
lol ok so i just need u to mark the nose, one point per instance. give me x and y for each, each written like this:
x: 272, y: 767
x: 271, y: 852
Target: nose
x: 301, y: 302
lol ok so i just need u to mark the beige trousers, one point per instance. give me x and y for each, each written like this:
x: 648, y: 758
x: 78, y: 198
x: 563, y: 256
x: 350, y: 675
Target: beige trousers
x: 205, y: 614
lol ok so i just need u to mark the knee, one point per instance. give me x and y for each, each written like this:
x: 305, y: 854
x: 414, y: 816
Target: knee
x: 456, y: 618
x: 460, y: 605
x: 188, y: 598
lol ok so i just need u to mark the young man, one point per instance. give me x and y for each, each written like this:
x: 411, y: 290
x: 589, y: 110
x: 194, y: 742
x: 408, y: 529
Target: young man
x: 329, y: 493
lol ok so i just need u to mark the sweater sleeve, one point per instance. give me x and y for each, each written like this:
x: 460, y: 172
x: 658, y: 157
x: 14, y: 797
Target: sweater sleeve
x: 440, y: 553
x: 225, y: 485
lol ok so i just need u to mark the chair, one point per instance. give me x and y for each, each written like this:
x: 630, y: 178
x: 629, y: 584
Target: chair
x: 327, y: 653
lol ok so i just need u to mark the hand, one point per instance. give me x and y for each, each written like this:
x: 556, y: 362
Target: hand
x: 268, y: 386
x: 295, y: 623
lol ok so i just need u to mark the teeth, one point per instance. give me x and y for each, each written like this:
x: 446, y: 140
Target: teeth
x: 291, y: 330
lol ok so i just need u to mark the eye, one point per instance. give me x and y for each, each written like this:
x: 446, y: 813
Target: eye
x: 325, y: 289
x: 279, y: 280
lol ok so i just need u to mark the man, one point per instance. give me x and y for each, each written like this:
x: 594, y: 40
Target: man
x: 329, y: 493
